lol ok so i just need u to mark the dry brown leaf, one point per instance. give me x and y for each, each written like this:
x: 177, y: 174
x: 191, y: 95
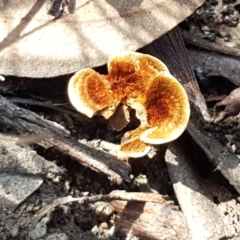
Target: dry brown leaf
x: 34, y: 44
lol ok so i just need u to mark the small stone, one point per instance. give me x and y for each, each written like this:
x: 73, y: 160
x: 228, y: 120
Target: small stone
x: 234, y: 148
x: 56, y: 179
x: 95, y: 230
x: 50, y: 175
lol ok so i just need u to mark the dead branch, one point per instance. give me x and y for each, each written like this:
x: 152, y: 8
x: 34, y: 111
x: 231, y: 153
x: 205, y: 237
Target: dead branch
x: 54, y: 135
x: 212, y: 46
x: 61, y: 107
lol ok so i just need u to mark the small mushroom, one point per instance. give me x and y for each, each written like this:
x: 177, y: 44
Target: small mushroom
x: 143, y: 83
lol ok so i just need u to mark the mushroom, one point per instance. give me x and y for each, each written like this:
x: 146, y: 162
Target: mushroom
x: 143, y: 83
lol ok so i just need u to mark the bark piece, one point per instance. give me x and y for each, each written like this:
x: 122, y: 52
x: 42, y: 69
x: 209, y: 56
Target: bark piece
x: 231, y: 103
x: 152, y: 221
x: 201, y: 214
x: 33, y: 44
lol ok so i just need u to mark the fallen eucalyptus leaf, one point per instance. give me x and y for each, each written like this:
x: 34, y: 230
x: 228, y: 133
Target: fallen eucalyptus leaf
x: 34, y: 44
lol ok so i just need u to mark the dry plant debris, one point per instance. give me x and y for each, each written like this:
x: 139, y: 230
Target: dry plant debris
x: 215, y: 17
x: 143, y: 83
x: 162, y: 204
x: 201, y: 214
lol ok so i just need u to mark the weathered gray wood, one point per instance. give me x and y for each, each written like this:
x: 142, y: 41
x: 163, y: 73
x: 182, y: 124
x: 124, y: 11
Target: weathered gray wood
x: 201, y: 214
x: 225, y: 161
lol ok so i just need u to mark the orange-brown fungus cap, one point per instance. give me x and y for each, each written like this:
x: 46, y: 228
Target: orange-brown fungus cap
x: 131, y: 144
x: 89, y: 93
x: 130, y: 72
x: 168, y: 110
x: 143, y: 83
